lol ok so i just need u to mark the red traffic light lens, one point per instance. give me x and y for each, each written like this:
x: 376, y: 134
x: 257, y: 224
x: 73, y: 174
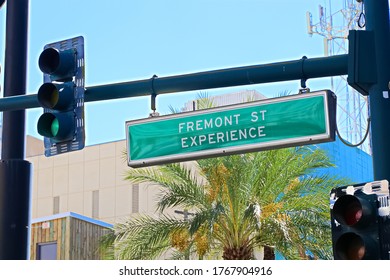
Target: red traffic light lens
x: 59, y: 64
x: 353, y: 214
x: 49, y: 60
x: 348, y: 210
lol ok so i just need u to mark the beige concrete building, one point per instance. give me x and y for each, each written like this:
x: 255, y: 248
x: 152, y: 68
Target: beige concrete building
x: 89, y: 182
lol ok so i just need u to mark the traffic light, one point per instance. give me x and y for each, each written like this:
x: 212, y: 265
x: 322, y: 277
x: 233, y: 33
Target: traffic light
x: 360, y: 221
x: 62, y: 96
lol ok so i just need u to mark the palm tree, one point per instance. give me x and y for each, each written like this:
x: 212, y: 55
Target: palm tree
x: 240, y: 203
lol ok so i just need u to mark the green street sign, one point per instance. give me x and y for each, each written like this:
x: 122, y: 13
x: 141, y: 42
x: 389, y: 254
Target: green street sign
x: 247, y: 127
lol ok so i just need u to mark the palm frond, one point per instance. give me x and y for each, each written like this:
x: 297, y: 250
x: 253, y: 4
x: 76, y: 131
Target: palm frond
x: 273, y: 198
x: 173, y: 110
x: 145, y: 237
x: 185, y: 188
x: 208, y: 217
x: 204, y: 101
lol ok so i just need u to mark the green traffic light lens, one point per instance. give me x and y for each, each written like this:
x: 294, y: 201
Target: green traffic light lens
x: 59, y: 127
x: 55, y: 127
x: 44, y: 125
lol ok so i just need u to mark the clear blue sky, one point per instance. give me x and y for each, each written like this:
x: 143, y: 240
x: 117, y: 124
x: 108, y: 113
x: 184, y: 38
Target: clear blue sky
x: 129, y: 40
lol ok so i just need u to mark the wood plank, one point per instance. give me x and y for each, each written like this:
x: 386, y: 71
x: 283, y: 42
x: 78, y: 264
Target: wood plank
x: 58, y: 238
x: 39, y: 233
x: 33, y: 245
x: 45, y: 234
x: 53, y: 228
x: 63, y: 238
x: 68, y: 240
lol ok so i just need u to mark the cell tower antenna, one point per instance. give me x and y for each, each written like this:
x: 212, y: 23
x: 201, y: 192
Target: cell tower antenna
x: 352, y: 118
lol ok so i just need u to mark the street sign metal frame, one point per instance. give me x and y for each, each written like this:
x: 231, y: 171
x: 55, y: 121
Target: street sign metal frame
x: 329, y: 107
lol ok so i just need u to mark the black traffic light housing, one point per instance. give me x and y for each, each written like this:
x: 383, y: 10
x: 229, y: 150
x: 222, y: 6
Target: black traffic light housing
x: 360, y: 221
x: 62, y: 96
x: 362, y: 70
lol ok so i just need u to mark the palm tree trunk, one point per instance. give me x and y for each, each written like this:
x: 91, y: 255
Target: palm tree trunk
x: 269, y: 253
x: 238, y: 253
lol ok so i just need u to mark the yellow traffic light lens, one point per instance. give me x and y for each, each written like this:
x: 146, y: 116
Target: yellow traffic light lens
x: 356, y: 252
x: 48, y: 95
x: 55, y: 127
x: 350, y: 246
x: 54, y: 97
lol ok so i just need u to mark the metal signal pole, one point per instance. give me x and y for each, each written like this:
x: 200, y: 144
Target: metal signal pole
x: 377, y: 21
x: 14, y: 170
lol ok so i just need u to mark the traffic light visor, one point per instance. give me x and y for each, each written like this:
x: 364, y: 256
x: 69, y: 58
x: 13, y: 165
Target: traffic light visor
x: 59, y: 64
x: 49, y: 60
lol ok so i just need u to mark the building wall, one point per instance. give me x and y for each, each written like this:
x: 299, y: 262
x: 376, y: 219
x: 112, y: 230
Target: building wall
x: 84, y: 239
x: 89, y: 182
x: 351, y: 163
x: 34, y: 146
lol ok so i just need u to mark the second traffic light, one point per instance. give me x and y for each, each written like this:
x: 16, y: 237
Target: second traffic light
x: 62, y: 96
x: 360, y: 220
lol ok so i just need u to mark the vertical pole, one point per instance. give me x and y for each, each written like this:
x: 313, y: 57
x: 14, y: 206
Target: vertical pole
x: 15, y: 77
x: 377, y: 20
x: 14, y: 170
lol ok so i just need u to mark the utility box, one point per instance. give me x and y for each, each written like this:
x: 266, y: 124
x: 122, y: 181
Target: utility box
x: 66, y: 236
